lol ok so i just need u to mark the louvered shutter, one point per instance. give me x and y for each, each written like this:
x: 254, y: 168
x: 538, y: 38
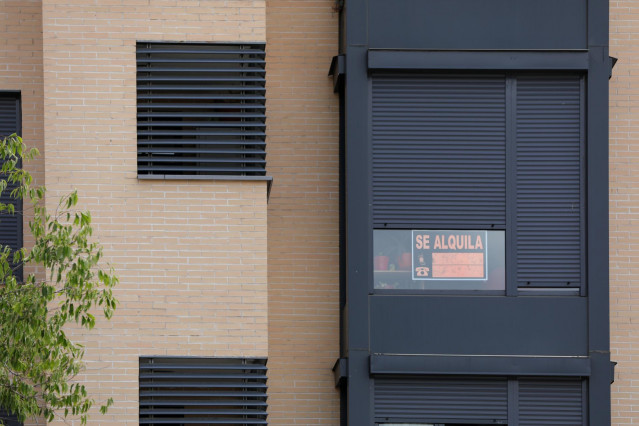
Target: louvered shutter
x: 551, y: 402
x: 203, y: 391
x: 439, y: 151
x: 549, y: 188
x: 201, y: 109
x: 439, y: 400
x: 10, y: 224
x: 9, y: 419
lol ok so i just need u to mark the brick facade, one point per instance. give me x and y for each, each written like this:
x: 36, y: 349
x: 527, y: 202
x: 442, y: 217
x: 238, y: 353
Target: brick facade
x: 303, y: 212
x: 624, y: 207
x: 192, y: 255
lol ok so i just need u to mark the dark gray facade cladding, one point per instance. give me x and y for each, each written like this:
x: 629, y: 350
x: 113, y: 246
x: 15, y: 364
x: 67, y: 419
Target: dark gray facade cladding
x: 540, y: 336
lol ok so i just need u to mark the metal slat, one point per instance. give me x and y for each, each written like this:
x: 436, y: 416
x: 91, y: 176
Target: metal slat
x: 189, y: 142
x: 201, y: 88
x: 197, y: 374
x: 203, y: 403
x: 162, y: 151
x: 208, y: 69
x: 193, y: 169
x: 202, y: 114
x: 183, y: 60
x: 203, y: 78
x: 218, y: 412
x: 193, y: 51
x: 192, y: 133
x: 201, y: 124
x: 203, y: 421
x: 202, y: 96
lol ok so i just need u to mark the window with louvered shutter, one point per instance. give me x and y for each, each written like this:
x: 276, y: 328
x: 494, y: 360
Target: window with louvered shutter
x: 203, y: 391
x: 9, y: 419
x: 201, y: 110
x: 11, y: 224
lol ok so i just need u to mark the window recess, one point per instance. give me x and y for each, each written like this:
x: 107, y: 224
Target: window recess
x: 201, y: 110
x: 486, y: 151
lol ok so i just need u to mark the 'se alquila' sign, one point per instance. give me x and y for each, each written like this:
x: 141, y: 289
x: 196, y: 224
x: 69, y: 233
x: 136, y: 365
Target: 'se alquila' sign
x: 449, y: 255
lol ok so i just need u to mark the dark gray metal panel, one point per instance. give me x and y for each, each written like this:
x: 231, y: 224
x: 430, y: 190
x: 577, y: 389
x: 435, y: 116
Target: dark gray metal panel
x: 439, y: 147
x: 548, y: 185
x: 202, y: 391
x: 597, y: 255
x: 480, y: 365
x: 11, y: 224
x: 359, y: 247
x: 478, y: 24
x: 441, y: 399
x: 384, y: 59
x: 551, y: 402
x: 550, y: 326
x: 201, y: 109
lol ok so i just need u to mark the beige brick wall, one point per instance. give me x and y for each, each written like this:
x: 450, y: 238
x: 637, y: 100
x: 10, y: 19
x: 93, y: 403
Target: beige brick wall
x: 191, y: 255
x: 303, y: 212
x: 624, y: 210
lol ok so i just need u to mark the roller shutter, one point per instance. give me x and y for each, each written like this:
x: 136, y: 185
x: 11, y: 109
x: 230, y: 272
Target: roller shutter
x: 439, y: 151
x: 440, y: 400
x: 551, y: 402
x: 549, y: 183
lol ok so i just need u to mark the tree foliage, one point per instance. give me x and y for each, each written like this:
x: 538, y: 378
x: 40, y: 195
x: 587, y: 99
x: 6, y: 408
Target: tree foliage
x: 38, y: 361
